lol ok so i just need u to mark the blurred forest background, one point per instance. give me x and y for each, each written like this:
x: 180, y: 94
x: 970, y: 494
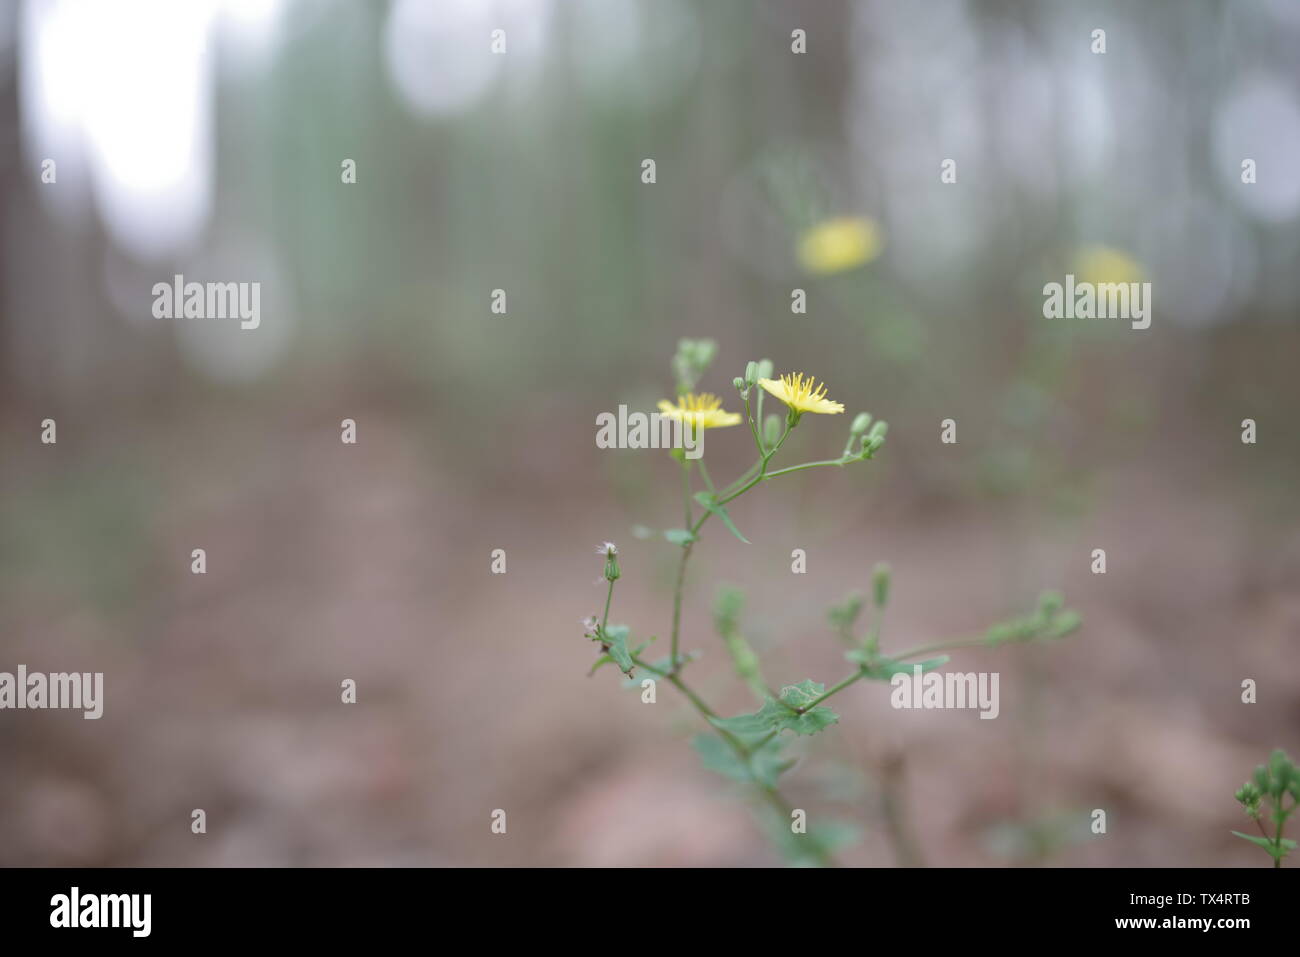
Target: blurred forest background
x: 208, y: 138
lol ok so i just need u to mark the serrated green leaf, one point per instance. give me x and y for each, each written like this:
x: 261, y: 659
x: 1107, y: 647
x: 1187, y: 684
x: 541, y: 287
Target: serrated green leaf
x: 710, y: 505
x: 782, y: 715
x: 783, y: 718
x: 679, y: 536
x: 804, y: 693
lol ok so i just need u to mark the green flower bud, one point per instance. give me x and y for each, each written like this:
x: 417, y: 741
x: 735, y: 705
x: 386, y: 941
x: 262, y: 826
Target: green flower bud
x: 860, y: 424
x: 772, y: 430
x: 764, y: 369
x: 880, y: 584
x: 726, y: 609
x: 1280, y: 771
x: 610, y: 551
x: 843, y: 615
x: 739, y: 383
x: 1261, y: 779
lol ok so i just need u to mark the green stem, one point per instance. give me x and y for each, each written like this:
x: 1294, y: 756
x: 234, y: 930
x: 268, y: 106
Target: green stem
x: 704, y: 474
x: 609, y: 596
x: 952, y: 645
x: 762, y: 468
x: 769, y: 793
x: 856, y: 676
x: 686, y: 489
x: 1277, y: 841
x: 841, y: 461
x: 753, y: 429
x: 677, y: 598
x: 862, y: 672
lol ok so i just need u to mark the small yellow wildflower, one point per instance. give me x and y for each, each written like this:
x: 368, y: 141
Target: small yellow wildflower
x: 703, y: 411
x: 1105, y: 264
x: 800, y: 394
x: 837, y: 245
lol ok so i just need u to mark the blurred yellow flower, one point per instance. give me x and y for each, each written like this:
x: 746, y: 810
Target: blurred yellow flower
x: 703, y: 411
x: 802, y: 395
x: 837, y: 245
x: 1104, y: 264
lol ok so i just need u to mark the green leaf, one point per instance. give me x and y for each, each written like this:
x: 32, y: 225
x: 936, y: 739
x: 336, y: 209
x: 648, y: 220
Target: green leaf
x: 719, y: 756
x: 744, y: 725
x: 804, y: 693
x: 768, y: 764
x: 632, y: 681
x: 1268, y: 844
x: 782, y: 715
x: 615, y: 637
x: 711, y: 505
x: 679, y: 536
x: 1263, y: 842
x: 765, y: 765
x: 782, y: 718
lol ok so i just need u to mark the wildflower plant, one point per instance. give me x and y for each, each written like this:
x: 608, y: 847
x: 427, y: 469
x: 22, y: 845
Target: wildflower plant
x: 1271, y: 784
x: 751, y: 748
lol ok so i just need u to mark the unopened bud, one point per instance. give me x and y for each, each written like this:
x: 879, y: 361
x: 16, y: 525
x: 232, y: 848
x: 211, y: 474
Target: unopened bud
x: 880, y: 584
x: 610, y: 551
x: 772, y: 430
x: 765, y: 369
x: 860, y: 424
x: 751, y: 373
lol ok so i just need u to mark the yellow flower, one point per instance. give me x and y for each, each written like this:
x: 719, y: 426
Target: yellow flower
x: 1104, y: 264
x: 800, y: 394
x: 703, y: 411
x: 837, y: 245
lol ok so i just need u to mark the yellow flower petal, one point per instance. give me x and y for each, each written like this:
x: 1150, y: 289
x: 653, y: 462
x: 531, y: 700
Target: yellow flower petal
x: 703, y: 411
x: 801, y: 394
